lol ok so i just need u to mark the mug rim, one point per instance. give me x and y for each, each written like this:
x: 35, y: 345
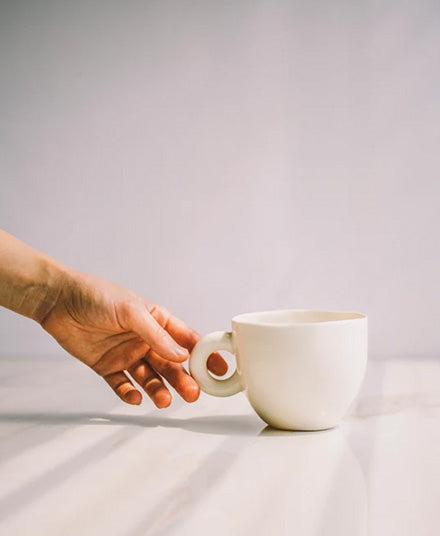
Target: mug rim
x: 249, y: 318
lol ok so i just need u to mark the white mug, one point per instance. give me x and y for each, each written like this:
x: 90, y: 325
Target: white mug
x: 300, y: 369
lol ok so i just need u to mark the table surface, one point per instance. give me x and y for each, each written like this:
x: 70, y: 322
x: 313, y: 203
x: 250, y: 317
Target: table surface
x: 74, y: 460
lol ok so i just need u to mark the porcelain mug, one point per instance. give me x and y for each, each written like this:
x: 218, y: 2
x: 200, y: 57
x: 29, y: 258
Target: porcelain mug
x: 300, y: 369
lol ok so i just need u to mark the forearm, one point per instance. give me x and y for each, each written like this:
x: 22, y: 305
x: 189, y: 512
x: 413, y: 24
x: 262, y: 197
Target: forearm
x: 30, y: 281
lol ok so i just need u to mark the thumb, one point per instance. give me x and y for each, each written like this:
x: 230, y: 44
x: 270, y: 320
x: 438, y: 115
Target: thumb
x: 139, y: 320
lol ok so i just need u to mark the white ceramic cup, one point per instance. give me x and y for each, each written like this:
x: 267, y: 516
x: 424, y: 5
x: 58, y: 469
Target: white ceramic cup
x: 300, y: 369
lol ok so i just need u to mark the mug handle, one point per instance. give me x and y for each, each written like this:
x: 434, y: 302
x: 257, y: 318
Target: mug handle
x: 219, y: 340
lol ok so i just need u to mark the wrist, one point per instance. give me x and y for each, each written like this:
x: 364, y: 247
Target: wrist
x: 37, y: 290
x: 46, y: 292
x: 31, y: 282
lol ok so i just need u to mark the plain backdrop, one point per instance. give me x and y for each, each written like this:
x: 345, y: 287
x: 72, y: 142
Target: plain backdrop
x: 228, y: 156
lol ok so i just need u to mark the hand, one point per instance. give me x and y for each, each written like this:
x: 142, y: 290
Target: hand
x: 114, y: 331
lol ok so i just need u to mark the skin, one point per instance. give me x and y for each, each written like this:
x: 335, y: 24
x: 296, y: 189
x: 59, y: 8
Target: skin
x: 131, y: 342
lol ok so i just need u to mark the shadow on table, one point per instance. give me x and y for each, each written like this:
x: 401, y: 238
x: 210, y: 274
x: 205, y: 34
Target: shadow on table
x: 184, y: 498
x: 228, y: 425
x: 235, y: 428
x: 41, y: 427
x: 241, y: 425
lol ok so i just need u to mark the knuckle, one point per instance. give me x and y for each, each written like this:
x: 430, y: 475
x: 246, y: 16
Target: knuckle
x: 160, y: 333
x: 98, y: 368
x: 151, y: 382
x: 153, y: 309
x: 130, y: 308
x: 147, y: 356
x: 107, y: 366
x: 165, y: 314
x: 136, y: 352
x: 160, y: 314
x: 195, y: 336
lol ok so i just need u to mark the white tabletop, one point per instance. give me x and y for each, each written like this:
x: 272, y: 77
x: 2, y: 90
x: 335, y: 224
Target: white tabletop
x: 76, y: 461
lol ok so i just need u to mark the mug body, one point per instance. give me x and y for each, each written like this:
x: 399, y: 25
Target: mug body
x: 300, y: 369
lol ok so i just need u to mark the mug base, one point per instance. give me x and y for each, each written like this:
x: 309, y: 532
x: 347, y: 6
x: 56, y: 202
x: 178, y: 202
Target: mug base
x: 273, y: 428
x: 298, y: 424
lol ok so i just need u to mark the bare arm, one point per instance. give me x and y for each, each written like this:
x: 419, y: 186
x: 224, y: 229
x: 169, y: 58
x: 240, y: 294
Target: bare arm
x: 29, y: 280
x: 120, y: 335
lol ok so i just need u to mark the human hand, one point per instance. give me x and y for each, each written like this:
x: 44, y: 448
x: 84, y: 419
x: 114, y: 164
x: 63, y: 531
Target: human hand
x: 115, y: 331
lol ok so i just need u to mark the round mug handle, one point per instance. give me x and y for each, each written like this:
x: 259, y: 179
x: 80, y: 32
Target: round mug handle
x: 219, y: 340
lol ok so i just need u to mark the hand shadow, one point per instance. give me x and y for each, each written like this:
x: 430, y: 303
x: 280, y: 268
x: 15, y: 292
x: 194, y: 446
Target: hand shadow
x: 228, y: 425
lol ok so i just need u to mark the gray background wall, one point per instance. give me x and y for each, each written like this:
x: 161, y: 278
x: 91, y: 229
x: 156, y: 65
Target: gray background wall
x: 220, y: 157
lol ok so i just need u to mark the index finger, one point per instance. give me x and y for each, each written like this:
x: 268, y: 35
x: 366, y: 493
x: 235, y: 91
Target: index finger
x: 186, y: 336
x: 177, y: 328
x: 141, y: 321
